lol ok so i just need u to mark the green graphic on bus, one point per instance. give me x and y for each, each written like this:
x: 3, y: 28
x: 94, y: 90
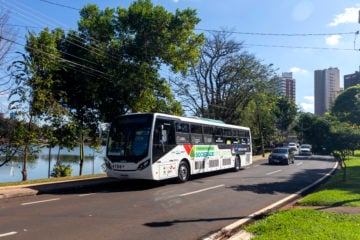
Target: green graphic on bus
x: 202, y: 151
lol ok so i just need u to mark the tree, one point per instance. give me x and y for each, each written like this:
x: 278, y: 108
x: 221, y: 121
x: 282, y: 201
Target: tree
x: 285, y: 112
x: 345, y: 139
x: 32, y: 97
x: 7, y: 36
x: 8, y: 148
x: 347, y: 106
x: 111, y: 65
x: 129, y: 47
x: 224, y: 81
x: 7, y: 40
x: 315, y: 130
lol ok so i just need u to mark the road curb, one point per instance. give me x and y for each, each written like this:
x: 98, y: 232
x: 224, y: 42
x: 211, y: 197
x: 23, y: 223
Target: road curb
x: 19, y: 192
x: 35, y: 189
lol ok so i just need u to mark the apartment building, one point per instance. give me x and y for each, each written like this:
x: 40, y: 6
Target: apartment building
x: 326, y: 89
x: 351, y: 79
x: 285, y: 85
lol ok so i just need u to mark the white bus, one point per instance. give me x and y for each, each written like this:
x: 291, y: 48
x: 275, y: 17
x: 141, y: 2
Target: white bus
x: 159, y: 146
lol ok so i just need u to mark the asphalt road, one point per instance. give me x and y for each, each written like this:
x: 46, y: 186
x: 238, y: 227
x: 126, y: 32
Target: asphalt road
x: 157, y: 210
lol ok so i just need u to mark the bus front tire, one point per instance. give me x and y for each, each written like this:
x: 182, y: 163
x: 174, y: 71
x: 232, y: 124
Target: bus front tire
x: 184, y: 172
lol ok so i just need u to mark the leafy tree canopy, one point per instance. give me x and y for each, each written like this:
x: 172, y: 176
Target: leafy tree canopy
x: 347, y: 106
x: 130, y: 47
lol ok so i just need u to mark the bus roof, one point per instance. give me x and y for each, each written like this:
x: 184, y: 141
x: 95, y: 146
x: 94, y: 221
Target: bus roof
x: 195, y: 119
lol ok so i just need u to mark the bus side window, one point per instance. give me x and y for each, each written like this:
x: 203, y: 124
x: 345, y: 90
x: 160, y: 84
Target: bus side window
x: 182, y: 133
x: 219, y: 135
x: 196, y: 134
x: 228, y: 135
x: 208, y: 134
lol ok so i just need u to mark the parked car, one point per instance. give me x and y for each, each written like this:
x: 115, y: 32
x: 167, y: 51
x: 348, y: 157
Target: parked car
x: 282, y: 155
x: 305, y: 149
x: 292, y: 146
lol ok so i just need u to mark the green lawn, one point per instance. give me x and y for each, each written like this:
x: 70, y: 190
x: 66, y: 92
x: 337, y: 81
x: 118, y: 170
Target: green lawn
x: 315, y: 224
x: 306, y: 224
x: 337, y: 192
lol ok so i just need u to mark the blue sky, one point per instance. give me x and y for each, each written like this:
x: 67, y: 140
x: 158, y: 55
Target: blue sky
x: 298, y: 36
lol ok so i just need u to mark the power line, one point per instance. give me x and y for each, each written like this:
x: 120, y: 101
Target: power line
x: 277, y: 34
x: 298, y: 47
x: 249, y: 33
x: 60, y: 5
x: 99, y: 51
x: 71, y: 63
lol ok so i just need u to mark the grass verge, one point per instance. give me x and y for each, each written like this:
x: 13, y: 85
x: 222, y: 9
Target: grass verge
x: 337, y: 192
x: 314, y: 224
x: 306, y: 224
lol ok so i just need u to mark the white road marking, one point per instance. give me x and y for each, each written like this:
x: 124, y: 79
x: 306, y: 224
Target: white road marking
x: 7, y: 234
x: 43, y: 201
x: 299, y: 163
x: 273, y: 172
x: 201, y: 190
x: 86, y: 194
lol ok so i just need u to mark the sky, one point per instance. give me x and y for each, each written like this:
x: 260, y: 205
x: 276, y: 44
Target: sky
x: 298, y: 36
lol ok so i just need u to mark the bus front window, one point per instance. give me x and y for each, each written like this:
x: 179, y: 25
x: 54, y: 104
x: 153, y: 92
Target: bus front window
x: 129, y: 139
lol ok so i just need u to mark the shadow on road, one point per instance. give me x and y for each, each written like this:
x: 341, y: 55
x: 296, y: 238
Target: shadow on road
x: 173, y: 222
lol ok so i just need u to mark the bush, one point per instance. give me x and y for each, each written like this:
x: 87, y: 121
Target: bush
x: 61, y: 171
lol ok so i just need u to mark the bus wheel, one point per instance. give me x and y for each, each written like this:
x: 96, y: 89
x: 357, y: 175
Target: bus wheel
x: 237, y: 164
x: 184, y: 172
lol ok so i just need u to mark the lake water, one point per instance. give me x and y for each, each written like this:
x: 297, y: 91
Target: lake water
x: 39, y: 167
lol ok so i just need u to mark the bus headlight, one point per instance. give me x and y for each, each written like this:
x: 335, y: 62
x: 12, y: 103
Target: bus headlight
x: 144, y: 165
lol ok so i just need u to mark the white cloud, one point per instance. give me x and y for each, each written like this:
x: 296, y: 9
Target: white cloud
x: 310, y: 98
x: 298, y: 70
x: 350, y: 15
x: 308, y: 104
x: 333, y: 40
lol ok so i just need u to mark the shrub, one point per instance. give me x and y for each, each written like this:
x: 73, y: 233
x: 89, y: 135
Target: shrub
x: 61, y: 171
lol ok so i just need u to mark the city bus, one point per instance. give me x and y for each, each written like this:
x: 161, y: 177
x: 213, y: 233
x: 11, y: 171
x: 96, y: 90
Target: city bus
x: 159, y: 146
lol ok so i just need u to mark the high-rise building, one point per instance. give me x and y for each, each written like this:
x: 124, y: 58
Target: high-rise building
x: 351, y: 79
x: 285, y: 85
x: 326, y: 89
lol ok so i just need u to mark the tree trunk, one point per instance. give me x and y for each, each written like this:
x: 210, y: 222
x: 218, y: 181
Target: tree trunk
x: 49, y: 166
x: 24, y: 170
x: 344, y: 170
x: 81, y: 153
x: 58, y: 156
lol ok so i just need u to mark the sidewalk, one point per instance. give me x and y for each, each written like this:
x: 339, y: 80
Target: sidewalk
x: 334, y: 209
x: 35, y: 189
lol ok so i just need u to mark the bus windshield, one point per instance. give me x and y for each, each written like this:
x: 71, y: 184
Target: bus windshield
x: 129, y: 138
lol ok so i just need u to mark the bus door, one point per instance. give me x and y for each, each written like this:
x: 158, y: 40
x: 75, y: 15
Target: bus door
x: 164, y: 138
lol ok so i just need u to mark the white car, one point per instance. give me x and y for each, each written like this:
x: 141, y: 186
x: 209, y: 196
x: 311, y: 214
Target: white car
x: 292, y: 146
x: 305, y: 149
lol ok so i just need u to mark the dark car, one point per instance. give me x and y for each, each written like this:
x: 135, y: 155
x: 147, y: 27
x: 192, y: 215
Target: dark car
x: 282, y: 155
